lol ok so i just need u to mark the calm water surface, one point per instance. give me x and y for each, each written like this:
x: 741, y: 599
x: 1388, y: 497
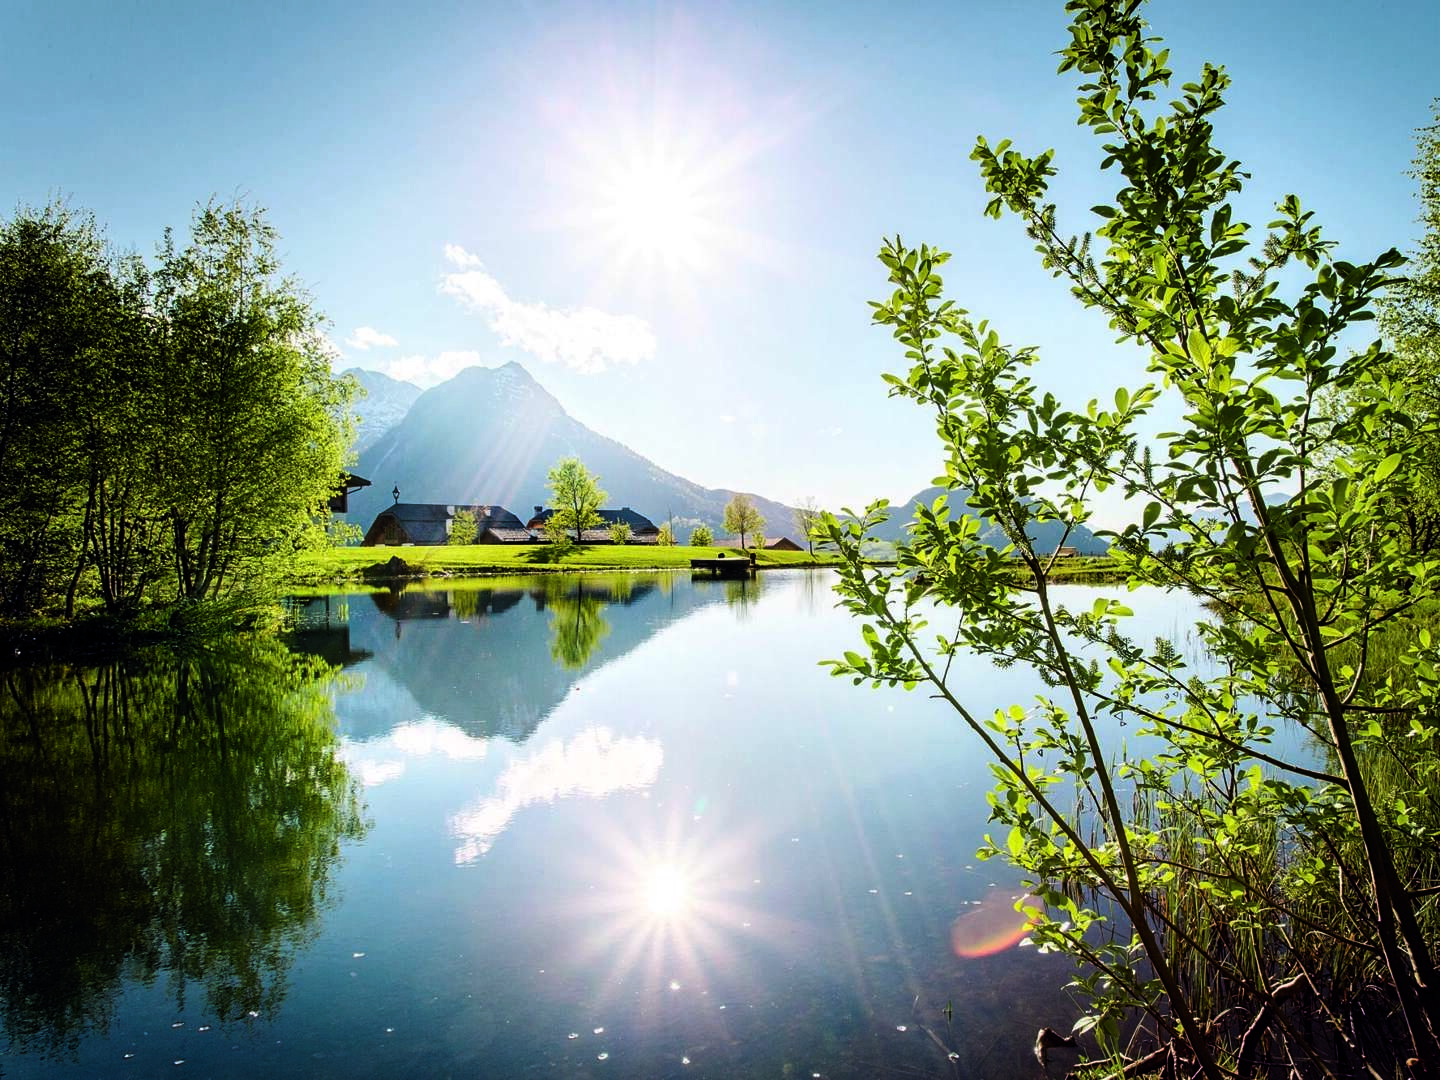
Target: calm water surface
x: 592, y: 827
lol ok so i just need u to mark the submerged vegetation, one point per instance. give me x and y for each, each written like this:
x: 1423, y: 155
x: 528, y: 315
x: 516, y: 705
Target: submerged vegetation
x: 1251, y: 874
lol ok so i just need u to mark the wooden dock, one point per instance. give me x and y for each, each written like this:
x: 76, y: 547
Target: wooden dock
x: 725, y: 567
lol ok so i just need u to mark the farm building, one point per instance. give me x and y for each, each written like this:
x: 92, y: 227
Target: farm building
x: 429, y: 524
x: 349, y: 484
x: 778, y: 543
x: 642, y: 529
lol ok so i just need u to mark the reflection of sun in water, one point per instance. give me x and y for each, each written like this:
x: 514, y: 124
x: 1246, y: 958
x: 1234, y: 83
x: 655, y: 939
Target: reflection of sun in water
x: 672, y: 913
x: 667, y: 892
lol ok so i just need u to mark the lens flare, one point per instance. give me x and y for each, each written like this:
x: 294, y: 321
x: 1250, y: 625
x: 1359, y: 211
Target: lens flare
x: 993, y: 926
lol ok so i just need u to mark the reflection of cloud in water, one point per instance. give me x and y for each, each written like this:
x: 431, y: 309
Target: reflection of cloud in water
x: 375, y: 762
x: 593, y: 763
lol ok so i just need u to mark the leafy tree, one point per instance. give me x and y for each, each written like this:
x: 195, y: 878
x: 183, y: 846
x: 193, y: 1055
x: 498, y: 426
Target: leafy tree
x: 577, y: 496
x: 462, y: 528
x: 741, y: 517
x: 701, y: 536
x: 1218, y: 853
x: 666, y: 537
x: 807, y: 520
x: 120, y: 422
x: 251, y: 448
x: 1409, y: 318
x: 57, y: 308
x: 619, y: 532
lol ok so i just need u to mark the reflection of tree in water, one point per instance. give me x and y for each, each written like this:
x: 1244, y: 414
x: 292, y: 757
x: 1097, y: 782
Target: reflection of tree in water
x: 577, y: 625
x: 741, y: 594
x: 176, y: 816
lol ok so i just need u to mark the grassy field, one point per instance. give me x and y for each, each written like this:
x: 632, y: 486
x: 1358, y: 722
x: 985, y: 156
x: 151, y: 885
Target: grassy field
x: 329, y: 565
x: 339, y: 564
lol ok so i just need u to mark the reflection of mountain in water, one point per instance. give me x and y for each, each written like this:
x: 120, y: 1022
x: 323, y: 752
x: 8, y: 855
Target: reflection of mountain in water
x: 495, y: 659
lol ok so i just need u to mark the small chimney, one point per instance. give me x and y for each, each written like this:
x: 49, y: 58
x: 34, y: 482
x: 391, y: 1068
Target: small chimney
x: 538, y: 510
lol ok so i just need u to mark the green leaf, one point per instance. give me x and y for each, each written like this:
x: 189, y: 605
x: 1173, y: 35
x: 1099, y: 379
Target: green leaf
x: 1388, y: 466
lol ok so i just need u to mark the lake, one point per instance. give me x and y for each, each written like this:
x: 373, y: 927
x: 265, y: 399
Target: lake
x: 598, y: 826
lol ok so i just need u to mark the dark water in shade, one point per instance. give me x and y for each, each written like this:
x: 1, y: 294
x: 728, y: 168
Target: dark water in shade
x: 582, y: 827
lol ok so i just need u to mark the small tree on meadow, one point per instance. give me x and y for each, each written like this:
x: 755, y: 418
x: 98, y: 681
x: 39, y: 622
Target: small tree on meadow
x: 619, y: 532
x: 807, y: 518
x: 741, y: 518
x: 666, y: 537
x: 577, y: 494
x: 701, y: 536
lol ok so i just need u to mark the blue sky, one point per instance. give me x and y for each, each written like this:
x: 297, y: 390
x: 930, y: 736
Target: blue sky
x: 669, y: 212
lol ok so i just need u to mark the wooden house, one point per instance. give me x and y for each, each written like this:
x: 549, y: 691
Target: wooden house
x: 642, y: 529
x: 428, y: 524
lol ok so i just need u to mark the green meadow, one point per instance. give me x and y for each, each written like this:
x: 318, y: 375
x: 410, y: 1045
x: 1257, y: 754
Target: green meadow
x: 462, y: 559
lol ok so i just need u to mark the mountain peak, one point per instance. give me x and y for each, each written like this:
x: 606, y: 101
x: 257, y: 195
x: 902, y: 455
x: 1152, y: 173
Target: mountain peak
x: 490, y: 435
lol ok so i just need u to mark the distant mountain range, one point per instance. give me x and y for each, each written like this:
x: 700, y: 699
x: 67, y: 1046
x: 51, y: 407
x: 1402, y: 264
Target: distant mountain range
x: 1047, y: 535
x: 490, y: 435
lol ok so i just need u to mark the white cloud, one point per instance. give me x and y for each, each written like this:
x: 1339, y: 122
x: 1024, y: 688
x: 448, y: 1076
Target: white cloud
x: 456, y: 254
x: 367, y: 337
x: 727, y: 419
x: 584, y: 339
x: 379, y: 761
x: 594, y: 764
x: 427, y: 371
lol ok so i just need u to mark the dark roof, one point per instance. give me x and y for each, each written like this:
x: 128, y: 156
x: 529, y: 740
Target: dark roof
x: 507, y: 535
x: 493, y: 517
x: 424, y: 523
x: 636, y: 521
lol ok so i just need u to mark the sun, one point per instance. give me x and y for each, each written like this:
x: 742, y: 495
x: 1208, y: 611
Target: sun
x: 653, y: 210
x: 663, y: 203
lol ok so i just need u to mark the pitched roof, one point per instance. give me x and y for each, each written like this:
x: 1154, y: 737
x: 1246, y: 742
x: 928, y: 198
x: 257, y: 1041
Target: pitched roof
x: 493, y: 517
x: 636, y: 521
x: 425, y: 523
x: 505, y: 535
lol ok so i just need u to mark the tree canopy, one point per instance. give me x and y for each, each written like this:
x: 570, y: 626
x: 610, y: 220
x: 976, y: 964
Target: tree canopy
x: 577, y: 496
x: 742, y: 518
x: 166, y: 432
